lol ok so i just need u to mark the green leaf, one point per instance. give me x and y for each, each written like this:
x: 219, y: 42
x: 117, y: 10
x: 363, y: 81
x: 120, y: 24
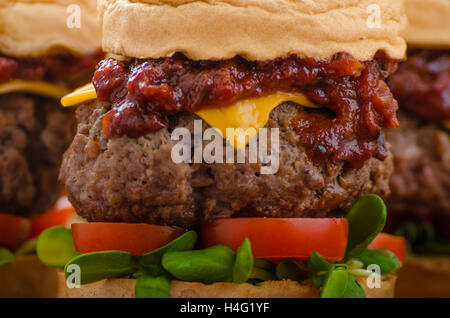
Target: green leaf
x: 101, y: 265
x: 414, y: 231
x: 150, y: 263
x: 244, y: 263
x: 318, y: 280
x: 212, y: 264
x: 440, y: 248
x: 354, y: 263
x: 264, y: 264
x: 422, y: 238
x: 152, y: 287
x: 55, y: 247
x: 28, y: 247
x: 6, y: 257
x: 153, y: 270
x: 316, y: 263
x: 339, y: 266
x: 290, y: 269
x: 341, y: 284
x: 386, y: 259
x: 318, y: 267
x: 366, y: 219
x: 262, y: 274
x: 263, y: 270
x: 185, y: 242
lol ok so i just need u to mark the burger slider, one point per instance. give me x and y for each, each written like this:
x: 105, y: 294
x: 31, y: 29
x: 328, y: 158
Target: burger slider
x: 303, y: 80
x: 420, y: 185
x: 41, y: 59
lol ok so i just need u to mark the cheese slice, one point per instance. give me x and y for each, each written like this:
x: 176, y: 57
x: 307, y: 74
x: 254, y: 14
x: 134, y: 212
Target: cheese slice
x: 82, y: 94
x: 245, y: 114
x: 35, y: 87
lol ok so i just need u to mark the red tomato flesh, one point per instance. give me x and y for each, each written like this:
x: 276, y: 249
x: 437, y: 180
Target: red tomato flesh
x: 390, y: 242
x: 13, y: 231
x: 135, y: 238
x: 60, y: 214
x: 279, y: 238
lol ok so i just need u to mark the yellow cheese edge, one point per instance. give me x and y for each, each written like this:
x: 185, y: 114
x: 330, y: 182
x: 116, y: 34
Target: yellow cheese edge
x: 246, y: 116
x: 81, y: 94
x: 35, y: 87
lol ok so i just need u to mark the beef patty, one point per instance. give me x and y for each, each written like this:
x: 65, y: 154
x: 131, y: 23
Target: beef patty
x: 421, y: 180
x: 135, y: 180
x: 34, y: 133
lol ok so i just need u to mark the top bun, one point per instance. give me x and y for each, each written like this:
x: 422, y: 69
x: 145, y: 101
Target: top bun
x: 35, y: 28
x: 429, y: 23
x: 254, y: 29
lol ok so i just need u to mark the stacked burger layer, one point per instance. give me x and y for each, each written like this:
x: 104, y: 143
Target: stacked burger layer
x: 420, y: 185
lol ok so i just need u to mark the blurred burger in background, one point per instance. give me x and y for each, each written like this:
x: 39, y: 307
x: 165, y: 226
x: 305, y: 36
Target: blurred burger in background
x: 46, y: 49
x: 420, y: 186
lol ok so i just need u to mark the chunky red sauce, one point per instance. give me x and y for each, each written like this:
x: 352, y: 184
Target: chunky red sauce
x: 422, y: 84
x: 49, y: 68
x: 143, y: 93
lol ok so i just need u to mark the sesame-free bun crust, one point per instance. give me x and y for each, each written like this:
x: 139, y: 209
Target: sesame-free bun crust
x: 254, y: 29
x: 424, y: 276
x: 27, y: 277
x: 124, y: 288
x: 36, y: 28
x: 428, y: 23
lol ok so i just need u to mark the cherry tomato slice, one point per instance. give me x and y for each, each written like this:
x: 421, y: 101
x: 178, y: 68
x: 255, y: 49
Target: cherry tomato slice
x: 60, y: 214
x: 135, y: 238
x: 14, y: 230
x: 278, y: 238
x: 390, y: 242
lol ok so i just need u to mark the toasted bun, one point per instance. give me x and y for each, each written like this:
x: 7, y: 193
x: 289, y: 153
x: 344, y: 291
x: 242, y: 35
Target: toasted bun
x: 27, y: 277
x: 428, y: 23
x: 36, y: 28
x: 424, y: 276
x: 124, y: 288
x: 254, y: 29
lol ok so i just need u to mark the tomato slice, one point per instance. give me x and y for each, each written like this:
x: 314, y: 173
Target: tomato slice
x: 13, y: 230
x: 135, y: 238
x: 60, y: 214
x: 390, y: 242
x: 279, y: 238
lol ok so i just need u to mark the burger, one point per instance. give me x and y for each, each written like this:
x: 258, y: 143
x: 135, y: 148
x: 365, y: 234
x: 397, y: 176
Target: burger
x: 41, y: 59
x: 420, y: 186
x: 232, y: 149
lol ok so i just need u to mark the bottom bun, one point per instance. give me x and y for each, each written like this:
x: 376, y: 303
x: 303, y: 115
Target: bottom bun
x: 424, y: 276
x: 124, y: 288
x: 27, y: 277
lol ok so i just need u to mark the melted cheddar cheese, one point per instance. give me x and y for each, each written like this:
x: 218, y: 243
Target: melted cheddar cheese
x: 250, y: 115
x: 35, y: 87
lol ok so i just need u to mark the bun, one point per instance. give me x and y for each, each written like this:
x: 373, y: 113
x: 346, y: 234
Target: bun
x: 254, y: 29
x: 27, y: 277
x: 124, y: 288
x: 428, y: 23
x: 33, y: 28
x: 424, y: 276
